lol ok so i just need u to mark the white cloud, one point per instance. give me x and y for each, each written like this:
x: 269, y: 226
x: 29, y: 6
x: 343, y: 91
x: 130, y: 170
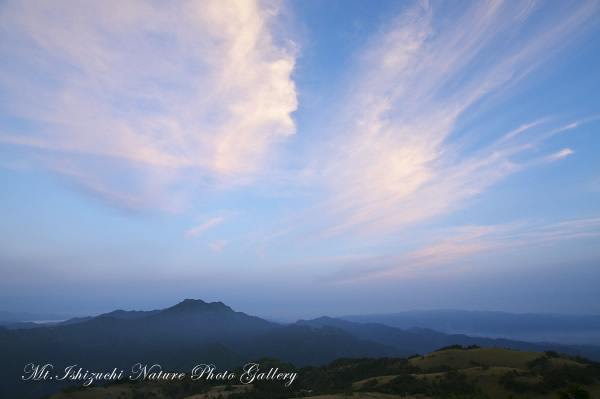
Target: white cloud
x: 167, y: 95
x: 561, y: 154
x: 392, y: 163
x: 194, y: 231
x: 452, y: 249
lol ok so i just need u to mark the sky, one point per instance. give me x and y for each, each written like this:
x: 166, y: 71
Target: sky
x: 296, y: 159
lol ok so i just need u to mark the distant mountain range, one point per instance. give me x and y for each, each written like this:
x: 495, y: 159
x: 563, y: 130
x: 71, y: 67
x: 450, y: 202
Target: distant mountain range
x: 16, y: 317
x: 569, y: 329
x: 194, y: 331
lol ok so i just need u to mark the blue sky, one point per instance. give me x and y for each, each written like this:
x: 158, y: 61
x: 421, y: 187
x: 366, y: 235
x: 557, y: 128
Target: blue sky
x: 294, y: 159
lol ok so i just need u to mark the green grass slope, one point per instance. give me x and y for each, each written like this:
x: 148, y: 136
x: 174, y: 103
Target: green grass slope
x: 462, y: 359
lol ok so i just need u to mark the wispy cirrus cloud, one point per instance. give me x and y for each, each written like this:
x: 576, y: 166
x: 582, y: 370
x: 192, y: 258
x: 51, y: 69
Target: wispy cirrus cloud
x: 561, y: 154
x: 148, y: 100
x: 456, y: 249
x: 194, y: 231
x: 393, y: 162
x: 142, y: 103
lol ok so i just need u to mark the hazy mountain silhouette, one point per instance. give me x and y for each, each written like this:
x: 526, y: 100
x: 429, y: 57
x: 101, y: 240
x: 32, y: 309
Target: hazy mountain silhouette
x: 573, y: 329
x: 304, y: 345
x: 424, y: 340
x: 13, y: 317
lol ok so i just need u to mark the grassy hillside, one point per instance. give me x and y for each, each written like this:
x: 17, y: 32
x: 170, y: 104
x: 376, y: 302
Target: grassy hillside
x: 462, y: 359
x: 448, y: 373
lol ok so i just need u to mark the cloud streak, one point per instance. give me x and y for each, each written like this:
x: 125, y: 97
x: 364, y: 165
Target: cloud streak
x: 195, y: 231
x: 153, y: 105
x: 394, y: 161
x: 456, y: 249
x: 561, y: 154
x: 170, y: 95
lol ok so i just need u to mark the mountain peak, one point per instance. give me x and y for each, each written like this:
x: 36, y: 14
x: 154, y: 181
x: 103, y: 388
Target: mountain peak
x: 198, y: 305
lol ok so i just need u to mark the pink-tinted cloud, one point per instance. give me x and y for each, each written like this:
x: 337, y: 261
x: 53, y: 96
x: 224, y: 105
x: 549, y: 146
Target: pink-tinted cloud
x: 194, y: 231
x: 177, y: 95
